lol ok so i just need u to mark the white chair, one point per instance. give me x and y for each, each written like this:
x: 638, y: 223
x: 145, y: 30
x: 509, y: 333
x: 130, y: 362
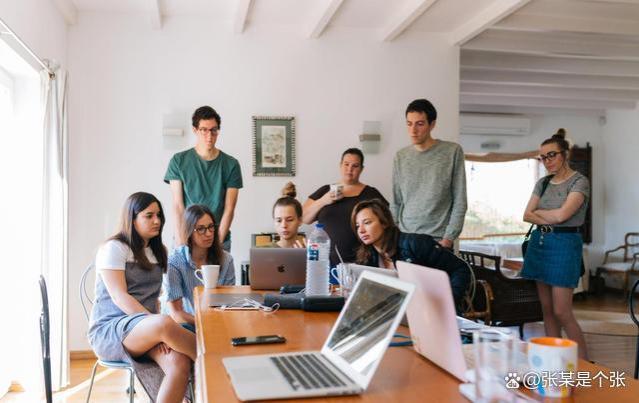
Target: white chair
x: 623, y: 268
x: 86, y: 300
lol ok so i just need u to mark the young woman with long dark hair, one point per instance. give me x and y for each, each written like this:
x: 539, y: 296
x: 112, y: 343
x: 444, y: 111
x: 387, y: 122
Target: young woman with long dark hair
x: 124, y: 324
x: 203, y: 247
x: 382, y: 244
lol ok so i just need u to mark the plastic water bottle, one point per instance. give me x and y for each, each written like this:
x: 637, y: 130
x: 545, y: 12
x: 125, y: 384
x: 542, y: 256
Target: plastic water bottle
x: 317, y: 261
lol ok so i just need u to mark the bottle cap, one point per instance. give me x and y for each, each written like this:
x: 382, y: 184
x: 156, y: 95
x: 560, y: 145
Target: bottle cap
x: 318, y: 225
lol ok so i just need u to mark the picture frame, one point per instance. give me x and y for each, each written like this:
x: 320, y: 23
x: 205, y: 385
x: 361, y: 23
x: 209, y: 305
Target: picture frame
x: 273, y: 146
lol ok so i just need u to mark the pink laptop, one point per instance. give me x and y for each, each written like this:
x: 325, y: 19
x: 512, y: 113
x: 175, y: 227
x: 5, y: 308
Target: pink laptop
x: 432, y: 319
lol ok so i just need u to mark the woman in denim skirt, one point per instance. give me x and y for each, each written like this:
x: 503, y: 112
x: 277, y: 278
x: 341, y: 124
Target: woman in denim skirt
x: 553, y: 257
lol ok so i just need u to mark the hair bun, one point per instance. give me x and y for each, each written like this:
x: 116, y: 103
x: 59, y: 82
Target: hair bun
x: 561, y: 134
x: 289, y: 190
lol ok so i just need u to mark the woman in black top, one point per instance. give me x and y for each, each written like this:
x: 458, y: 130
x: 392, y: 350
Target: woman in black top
x: 382, y: 244
x: 333, y: 209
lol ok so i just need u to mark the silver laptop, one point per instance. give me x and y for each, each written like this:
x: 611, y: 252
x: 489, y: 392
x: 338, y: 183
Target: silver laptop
x: 348, y: 360
x: 271, y: 268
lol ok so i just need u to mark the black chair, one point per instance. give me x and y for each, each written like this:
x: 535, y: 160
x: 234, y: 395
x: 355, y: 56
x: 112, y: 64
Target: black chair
x: 633, y: 316
x: 507, y: 301
x: 44, y: 339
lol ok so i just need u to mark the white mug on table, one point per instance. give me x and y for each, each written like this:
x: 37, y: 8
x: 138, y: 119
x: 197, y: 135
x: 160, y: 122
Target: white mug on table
x: 208, y: 275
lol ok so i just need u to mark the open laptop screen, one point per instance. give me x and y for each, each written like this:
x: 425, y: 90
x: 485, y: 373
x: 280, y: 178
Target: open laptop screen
x: 361, y: 336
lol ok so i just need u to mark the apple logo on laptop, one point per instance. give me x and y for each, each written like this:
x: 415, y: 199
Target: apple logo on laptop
x: 280, y: 268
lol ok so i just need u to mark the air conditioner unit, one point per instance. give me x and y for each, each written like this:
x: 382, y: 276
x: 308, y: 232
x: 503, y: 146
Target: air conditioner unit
x: 500, y: 125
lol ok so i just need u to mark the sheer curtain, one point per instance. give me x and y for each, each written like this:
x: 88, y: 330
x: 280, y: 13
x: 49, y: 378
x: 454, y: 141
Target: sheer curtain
x: 54, y: 218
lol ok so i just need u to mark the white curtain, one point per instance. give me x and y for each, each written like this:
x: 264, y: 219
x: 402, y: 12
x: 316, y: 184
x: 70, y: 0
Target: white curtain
x: 54, y: 219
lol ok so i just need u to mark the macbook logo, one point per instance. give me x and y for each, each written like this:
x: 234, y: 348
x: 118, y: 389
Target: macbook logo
x: 280, y: 268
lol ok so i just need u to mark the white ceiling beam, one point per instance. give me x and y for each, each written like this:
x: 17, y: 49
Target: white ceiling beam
x: 412, y: 10
x: 155, y: 13
x: 68, y: 10
x: 544, y: 43
x: 484, y: 19
x: 507, y: 61
x: 584, y: 9
x: 328, y: 12
x: 241, y: 15
x: 545, y: 102
x: 558, y: 23
x: 547, y: 79
x: 612, y: 1
x: 548, y: 92
x: 530, y: 110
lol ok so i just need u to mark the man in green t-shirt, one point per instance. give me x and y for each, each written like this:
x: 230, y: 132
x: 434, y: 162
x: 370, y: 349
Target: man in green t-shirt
x: 205, y: 175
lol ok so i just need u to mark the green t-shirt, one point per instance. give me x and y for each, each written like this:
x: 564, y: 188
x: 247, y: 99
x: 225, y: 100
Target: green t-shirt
x: 205, y: 182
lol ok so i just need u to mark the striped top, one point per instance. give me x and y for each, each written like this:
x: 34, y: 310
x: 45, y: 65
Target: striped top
x: 180, y: 278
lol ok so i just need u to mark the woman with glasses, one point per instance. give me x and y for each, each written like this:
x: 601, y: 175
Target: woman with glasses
x: 554, y: 253
x: 124, y: 323
x: 202, y: 247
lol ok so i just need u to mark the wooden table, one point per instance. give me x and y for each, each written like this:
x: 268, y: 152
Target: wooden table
x: 513, y: 263
x: 403, y: 375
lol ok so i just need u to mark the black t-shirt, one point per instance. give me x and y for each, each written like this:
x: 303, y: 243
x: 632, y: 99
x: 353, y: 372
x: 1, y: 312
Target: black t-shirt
x: 336, y: 218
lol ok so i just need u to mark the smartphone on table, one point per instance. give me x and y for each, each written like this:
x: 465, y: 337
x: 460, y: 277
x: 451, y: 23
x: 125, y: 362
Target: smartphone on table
x: 268, y: 339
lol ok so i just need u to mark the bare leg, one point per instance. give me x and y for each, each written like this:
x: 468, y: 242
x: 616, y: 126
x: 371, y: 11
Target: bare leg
x: 551, y: 324
x: 562, y: 307
x: 177, y: 368
x: 155, y: 329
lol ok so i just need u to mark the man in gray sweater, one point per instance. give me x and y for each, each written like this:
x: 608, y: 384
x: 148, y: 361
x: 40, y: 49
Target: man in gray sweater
x: 429, y: 180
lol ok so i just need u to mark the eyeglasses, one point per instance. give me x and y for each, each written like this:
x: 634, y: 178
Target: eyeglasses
x: 204, y: 130
x: 549, y: 156
x: 202, y: 230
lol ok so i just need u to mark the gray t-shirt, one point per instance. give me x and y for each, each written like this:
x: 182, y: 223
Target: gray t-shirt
x: 556, y: 194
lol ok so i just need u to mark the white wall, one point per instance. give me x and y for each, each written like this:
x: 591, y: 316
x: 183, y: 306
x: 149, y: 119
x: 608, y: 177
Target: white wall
x: 621, y: 140
x: 580, y: 130
x: 37, y: 23
x: 125, y: 76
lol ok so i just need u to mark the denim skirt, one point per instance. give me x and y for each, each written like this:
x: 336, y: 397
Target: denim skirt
x: 554, y: 258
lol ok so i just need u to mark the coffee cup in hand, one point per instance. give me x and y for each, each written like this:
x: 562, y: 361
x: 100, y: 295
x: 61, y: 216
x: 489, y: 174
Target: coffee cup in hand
x: 336, y: 190
x: 208, y: 275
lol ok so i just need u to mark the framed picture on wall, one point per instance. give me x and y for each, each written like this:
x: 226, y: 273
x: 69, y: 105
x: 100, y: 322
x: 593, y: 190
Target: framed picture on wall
x: 273, y: 146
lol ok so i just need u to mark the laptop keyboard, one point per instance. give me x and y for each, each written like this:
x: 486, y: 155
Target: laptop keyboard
x: 307, y: 371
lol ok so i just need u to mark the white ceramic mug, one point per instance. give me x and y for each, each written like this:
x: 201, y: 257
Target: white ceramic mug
x: 208, y: 275
x: 337, y: 190
x: 550, y: 358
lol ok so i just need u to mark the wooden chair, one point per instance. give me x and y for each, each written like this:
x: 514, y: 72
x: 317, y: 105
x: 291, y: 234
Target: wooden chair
x: 625, y: 267
x: 502, y: 300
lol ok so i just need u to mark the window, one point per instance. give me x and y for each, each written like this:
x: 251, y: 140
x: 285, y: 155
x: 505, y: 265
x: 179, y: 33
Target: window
x: 497, y: 196
x: 21, y: 150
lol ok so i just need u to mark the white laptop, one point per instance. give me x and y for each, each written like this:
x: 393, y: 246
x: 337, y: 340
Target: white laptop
x: 432, y: 319
x: 348, y: 360
x: 463, y: 324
